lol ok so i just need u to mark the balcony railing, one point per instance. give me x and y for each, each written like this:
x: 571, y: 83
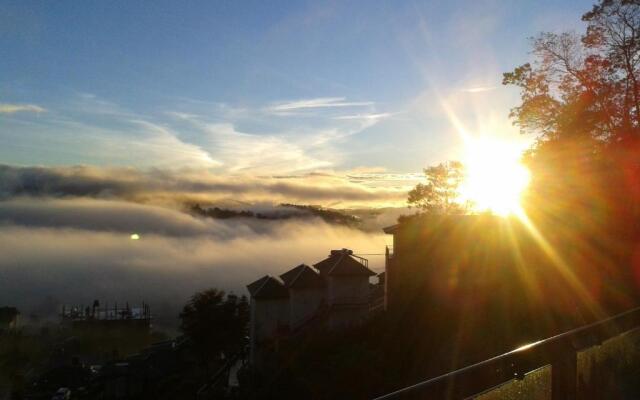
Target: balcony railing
x: 560, y: 352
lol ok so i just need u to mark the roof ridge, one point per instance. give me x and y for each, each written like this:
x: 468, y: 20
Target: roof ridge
x: 303, y: 265
x: 265, y: 280
x: 272, y: 287
x: 337, y: 262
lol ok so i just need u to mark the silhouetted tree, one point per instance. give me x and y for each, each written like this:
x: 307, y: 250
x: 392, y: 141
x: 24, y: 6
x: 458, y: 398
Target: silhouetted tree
x: 217, y: 324
x: 580, y: 97
x: 440, y: 195
x: 584, y: 85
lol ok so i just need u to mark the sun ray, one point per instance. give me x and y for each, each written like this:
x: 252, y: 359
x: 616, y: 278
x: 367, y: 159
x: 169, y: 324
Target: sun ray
x: 495, y: 180
x: 562, y: 267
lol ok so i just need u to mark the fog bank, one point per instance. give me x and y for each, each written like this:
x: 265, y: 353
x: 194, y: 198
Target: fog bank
x: 74, y: 251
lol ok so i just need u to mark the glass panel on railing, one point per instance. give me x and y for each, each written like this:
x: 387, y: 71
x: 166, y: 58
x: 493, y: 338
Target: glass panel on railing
x: 611, y: 370
x: 536, y: 385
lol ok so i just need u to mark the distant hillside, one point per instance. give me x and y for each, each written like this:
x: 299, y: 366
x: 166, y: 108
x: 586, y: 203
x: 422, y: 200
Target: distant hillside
x: 281, y: 212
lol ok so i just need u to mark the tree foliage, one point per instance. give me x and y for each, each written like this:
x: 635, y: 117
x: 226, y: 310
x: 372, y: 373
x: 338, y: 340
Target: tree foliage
x: 580, y: 96
x: 216, y: 323
x: 440, y: 195
x: 584, y: 85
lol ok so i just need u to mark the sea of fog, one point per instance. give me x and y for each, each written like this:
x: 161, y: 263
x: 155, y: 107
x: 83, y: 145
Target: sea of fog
x: 58, y: 251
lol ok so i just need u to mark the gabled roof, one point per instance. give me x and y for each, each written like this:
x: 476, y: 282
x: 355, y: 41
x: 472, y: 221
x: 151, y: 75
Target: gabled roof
x: 342, y: 263
x: 302, y: 276
x: 267, y: 287
x: 325, y: 265
x: 253, y: 287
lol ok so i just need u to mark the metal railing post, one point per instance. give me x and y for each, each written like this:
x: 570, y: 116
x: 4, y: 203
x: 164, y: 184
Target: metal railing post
x: 564, y: 374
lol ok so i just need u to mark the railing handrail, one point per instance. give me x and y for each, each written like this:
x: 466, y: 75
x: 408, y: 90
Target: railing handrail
x: 616, y: 325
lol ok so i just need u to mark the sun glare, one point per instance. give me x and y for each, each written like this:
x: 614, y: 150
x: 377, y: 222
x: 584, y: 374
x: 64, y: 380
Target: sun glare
x: 495, y: 177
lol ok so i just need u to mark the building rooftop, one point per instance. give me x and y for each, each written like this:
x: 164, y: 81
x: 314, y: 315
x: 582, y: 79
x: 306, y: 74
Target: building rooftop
x: 342, y: 262
x: 267, y: 287
x: 302, y: 276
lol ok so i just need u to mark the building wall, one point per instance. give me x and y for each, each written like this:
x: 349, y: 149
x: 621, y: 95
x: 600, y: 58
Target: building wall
x: 342, y: 317
x: 348, y: 290
x: 488, y: 271
x: 304, y: 303
x: 267, y: 315
x: 454, y: 260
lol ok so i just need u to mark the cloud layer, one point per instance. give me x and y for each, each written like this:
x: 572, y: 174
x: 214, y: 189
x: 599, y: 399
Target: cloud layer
x: 110, y: 216
x: 197, y: 185
x: 76, y: 250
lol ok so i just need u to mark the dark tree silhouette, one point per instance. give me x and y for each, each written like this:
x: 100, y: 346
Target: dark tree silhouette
x: 217, y: 324
x: 584, y: 85
x: 580, y: 97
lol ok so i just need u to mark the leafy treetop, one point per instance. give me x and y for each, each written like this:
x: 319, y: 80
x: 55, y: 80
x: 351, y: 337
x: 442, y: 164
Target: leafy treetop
x: 440, y: 195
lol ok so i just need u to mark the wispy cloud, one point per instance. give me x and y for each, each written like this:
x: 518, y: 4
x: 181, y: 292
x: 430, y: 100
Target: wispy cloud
x: 182, y: 115
x: 243, y: 152
x: 75, y: 136
x: 166, y: 142
x: 364, y: 117
x: 479, y: 89
x: 87, y: 129
x: 246, y: 152
x: 320, y: 102
x: 89, y: 103
x: 6, y: 108
x: 281, y: 148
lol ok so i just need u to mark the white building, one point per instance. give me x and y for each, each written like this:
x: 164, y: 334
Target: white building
x: 269, y: 311
x: 348, y: 289
x: 307, y: 294
x: 335, y: 292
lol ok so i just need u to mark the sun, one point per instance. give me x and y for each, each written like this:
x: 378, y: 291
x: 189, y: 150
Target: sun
x: 494, y: 176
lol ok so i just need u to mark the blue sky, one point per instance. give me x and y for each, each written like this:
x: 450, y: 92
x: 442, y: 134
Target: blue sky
x: 260, y: 88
